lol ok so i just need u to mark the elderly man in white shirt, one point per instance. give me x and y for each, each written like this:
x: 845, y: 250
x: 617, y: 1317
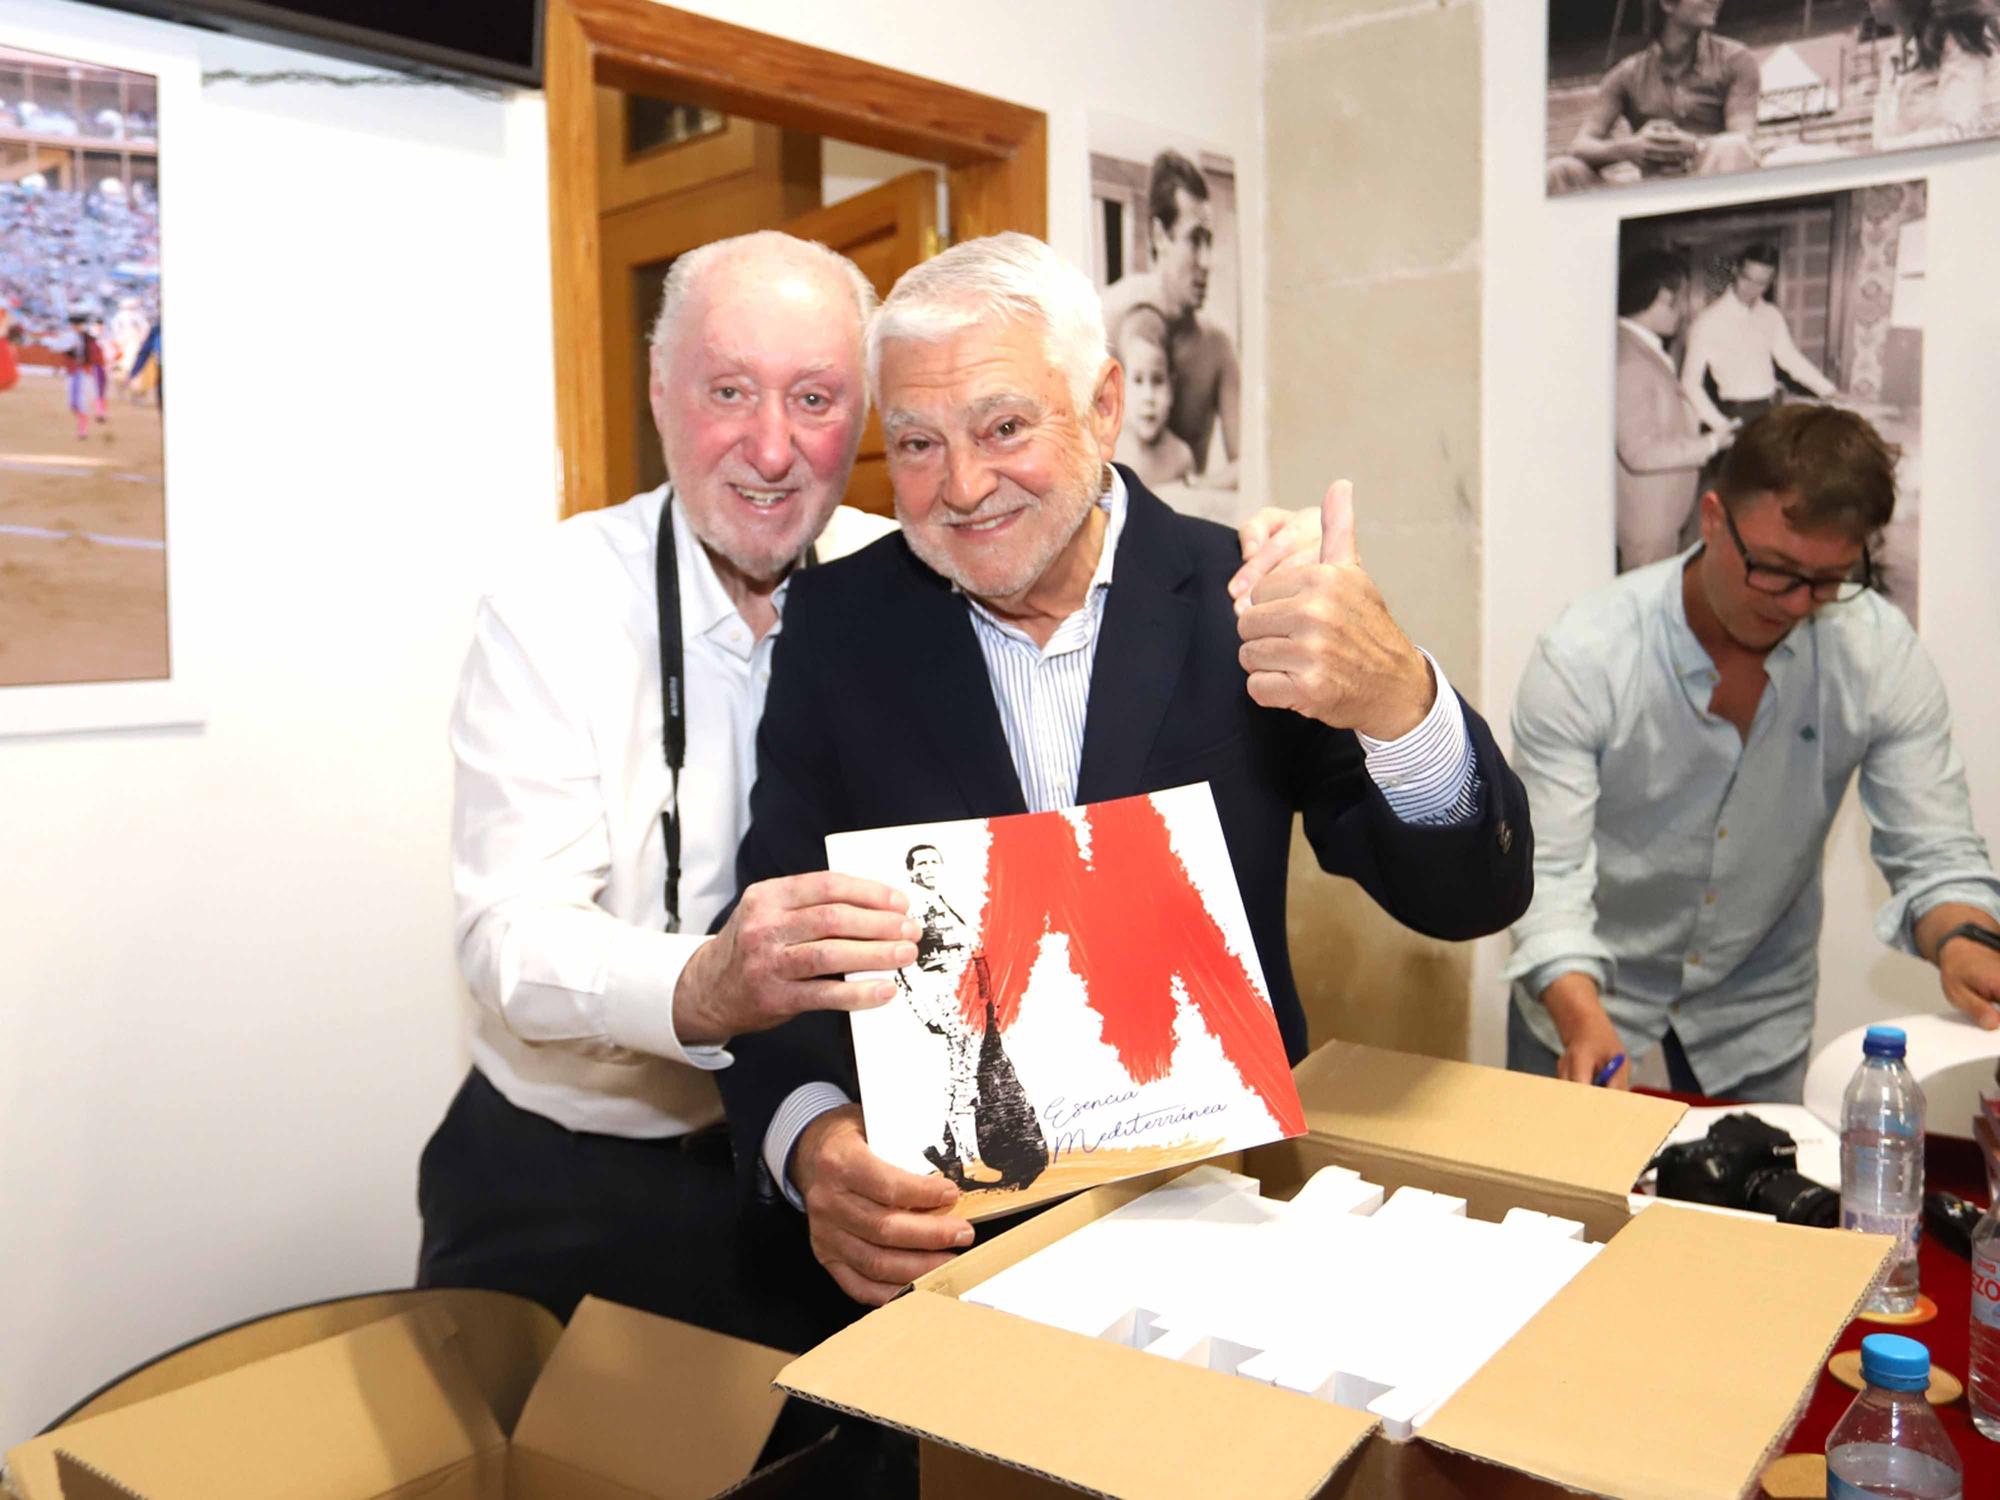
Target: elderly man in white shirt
x: 1742, y: 339
x: 604, y: 733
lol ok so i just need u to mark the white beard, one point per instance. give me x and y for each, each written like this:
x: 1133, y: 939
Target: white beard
x: 931, y: 548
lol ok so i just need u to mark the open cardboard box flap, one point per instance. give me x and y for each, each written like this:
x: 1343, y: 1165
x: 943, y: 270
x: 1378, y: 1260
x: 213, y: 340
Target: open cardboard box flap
x: 1673, y: 1362
x: 663, y: 1409
x: 1510, y: 1127
x: 349, y: 1418
x: 504, y: 1339
x: 1100, y: 1417
x: 627, y: 1406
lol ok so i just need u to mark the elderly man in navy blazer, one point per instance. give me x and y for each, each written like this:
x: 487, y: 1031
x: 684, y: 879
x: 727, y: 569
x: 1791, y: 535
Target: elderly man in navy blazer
x: 1045, y: 632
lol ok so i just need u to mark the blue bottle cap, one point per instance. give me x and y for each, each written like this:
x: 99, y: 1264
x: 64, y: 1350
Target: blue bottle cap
x: 1894, y: 1362
x: 1884, y: 1041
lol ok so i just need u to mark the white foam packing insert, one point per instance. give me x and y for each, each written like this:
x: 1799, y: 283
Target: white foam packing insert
x: 1386, y: 1307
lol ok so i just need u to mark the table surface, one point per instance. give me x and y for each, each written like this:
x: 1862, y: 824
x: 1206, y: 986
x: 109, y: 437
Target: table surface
x: 1951, y: 1165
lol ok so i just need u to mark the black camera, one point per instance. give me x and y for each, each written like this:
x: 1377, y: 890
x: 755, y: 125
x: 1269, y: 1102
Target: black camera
x: 1744, y: 1163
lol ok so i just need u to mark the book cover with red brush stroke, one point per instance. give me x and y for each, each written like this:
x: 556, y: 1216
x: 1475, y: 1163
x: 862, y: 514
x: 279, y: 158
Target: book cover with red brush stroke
x: 1086, y: 1002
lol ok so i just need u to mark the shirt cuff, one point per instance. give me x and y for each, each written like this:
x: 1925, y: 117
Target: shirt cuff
x: 1429, y: 775
x: 1896, y: 924
x: 802, y: 1106
x: 1542, y: 976
x: 642, y: 970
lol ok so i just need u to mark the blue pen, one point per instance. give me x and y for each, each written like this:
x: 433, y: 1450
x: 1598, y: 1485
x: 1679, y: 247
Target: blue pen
x: 1606, y: 1073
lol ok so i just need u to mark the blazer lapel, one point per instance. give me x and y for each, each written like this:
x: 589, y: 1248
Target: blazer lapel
x: 1142, y: 642
x: 949, y: 693
x: 1662, y: 366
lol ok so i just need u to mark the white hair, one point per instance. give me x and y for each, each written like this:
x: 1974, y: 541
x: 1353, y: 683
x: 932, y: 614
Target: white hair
x: 776, y: 247
x: 1009, y: 277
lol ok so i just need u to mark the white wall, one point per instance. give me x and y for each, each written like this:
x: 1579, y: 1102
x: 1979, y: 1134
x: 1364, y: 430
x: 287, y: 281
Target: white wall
x: 228, y: 1011
x: 1551, y: 275
x: 847, y: 170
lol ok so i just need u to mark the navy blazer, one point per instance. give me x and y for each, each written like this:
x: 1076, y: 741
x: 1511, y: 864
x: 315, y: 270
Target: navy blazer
x: 880, y: 712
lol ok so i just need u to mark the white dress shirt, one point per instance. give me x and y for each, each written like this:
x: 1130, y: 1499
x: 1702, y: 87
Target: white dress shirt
x: 1741, y: 345
x: 558, y: 863
x: 1043, y: 694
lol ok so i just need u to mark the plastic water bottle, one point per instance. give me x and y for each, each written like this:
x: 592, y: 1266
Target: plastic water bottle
x: 1983, y: 1394
x: 1891, y: 1442
x: 1882, y: 1161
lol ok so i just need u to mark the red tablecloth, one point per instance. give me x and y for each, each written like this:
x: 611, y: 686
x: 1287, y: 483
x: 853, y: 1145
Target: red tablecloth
x: 1951, y: 1165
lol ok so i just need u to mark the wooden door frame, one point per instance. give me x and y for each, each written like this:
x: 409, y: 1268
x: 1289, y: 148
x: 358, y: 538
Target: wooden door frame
x: 995, y: 155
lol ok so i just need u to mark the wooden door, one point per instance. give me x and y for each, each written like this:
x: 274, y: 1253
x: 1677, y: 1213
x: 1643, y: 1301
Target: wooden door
x: 885, y: 231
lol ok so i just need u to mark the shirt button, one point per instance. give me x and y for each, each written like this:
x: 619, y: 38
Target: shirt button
x: 1722, y: 833
x: 1708, y: 899
x: 1694, y: 960
x: 1674, y: 1008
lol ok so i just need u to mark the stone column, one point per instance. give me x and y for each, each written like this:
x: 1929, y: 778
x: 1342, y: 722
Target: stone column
x: 1372, y: 285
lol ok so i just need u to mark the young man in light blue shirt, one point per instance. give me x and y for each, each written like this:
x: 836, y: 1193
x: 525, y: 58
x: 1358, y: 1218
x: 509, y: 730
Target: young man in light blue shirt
x: 1686, y: 736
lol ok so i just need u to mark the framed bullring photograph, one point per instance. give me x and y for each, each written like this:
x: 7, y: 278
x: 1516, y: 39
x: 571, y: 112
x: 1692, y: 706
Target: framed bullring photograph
x: 87, y: 552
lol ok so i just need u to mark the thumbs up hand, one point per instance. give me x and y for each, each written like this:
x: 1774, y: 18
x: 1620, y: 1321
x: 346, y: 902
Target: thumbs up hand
x: 1270, y: 539
x: 1318, y: 639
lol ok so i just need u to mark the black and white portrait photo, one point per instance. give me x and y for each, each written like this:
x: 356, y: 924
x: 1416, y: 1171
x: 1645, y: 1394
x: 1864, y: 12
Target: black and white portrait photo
x: 1641, y: 89
x: 1725, y: 313
x: 1166, y: 254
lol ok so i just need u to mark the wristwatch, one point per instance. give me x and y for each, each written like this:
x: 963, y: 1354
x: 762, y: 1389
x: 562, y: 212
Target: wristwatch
x: 1985, y: 936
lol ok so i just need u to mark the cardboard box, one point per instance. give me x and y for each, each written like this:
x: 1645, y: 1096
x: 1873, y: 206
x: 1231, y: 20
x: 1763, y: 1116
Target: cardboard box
x: 1673, y: 1365
x: 504, y: 1339
x: 627, y: 1406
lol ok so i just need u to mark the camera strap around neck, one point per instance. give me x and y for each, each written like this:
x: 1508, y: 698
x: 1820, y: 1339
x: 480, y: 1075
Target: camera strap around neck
x: 673, y: 696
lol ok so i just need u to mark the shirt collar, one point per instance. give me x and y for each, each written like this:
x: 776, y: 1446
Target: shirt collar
x: 1114, y: 503
x: 1647, y: 337
x: 1690, y: 657
x: 707, y: 611
x: 1701, y: 61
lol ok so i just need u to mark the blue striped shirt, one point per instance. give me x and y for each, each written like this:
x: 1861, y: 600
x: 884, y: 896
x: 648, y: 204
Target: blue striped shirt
x: 1427, y: 776
x: 1043, y: 692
